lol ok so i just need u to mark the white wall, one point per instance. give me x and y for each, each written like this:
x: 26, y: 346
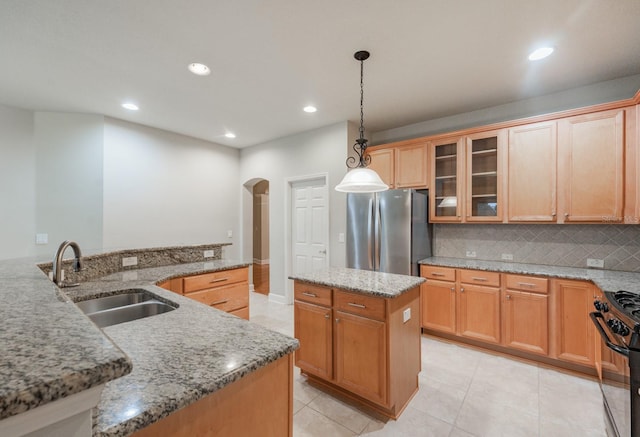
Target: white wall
x: 17, y: 183
x: 601, y: 92
x: 322, y: 150
x: 163, y: 189
x: 69, y: 179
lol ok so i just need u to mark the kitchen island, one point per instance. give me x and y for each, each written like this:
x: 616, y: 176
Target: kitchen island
x: 359, y: 335
x: 185, y: 361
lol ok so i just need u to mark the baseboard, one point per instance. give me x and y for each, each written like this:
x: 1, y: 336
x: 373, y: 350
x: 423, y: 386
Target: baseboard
x: 251, y: 287
x: 278, y: 298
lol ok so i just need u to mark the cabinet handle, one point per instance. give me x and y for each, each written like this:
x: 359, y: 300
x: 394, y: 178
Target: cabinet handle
x: 219, y: 302
x: 326, y: 316
x: 306, y: 293
x: 526, y: 284
x: 357, y: 305
x: 218, y: 280
x: 437, y: 274
x: 461, y: 289
x: 477, y: 278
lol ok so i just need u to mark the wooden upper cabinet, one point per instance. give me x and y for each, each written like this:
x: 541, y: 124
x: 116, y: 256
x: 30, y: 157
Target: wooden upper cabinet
x: 411, y: 166
x: 484, y: 201
x: 447, y: 178
x: 401, y: 166
x: 531, y: 168
x: 591, y: 167
x: 383, y: 163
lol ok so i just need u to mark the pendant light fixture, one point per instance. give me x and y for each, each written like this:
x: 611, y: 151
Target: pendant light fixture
x: 360, y: 179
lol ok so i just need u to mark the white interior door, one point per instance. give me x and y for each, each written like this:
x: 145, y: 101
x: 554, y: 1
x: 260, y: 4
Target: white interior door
x: 309, y: 225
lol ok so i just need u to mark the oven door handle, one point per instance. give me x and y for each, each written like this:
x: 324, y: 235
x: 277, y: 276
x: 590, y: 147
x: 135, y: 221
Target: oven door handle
x: 611, y: 345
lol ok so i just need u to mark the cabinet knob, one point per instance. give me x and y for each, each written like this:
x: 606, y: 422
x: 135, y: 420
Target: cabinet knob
x: 508, y: 296
x: 461, y: 289
x: 337, y: 320
x: 553, y: 214
x: 326, y: 316
x: 566, y: 214
x: 453, y: 288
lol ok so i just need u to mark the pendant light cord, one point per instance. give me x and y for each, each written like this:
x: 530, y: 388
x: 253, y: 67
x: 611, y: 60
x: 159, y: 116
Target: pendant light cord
x: 362, y: 99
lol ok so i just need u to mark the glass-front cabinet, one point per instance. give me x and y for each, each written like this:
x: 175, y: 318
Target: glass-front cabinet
x: 447, y: 168
x: 484, y: 176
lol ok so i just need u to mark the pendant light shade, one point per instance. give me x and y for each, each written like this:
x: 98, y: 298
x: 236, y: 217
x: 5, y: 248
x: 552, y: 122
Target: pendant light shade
x: 361, y: 179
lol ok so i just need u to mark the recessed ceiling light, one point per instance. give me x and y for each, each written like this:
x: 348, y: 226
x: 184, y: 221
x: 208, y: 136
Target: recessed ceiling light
x: 309, y: 109
x: 540, y: 53
x: 130, y: 106
x: 230, y: 135
x: 199, y: 69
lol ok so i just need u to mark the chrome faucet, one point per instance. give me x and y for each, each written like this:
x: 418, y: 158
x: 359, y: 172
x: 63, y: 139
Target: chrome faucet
x: 57, y: 262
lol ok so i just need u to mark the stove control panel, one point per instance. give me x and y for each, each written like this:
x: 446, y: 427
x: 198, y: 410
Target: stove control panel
x: 603, y: 307
x: 618, y: 327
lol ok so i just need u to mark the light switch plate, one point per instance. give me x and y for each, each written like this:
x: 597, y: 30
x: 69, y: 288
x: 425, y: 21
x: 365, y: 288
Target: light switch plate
x: 341, y: 237
x: 129, y: 261
x: 42, y: 238
x: 230, y: 234
x: 406, y: 315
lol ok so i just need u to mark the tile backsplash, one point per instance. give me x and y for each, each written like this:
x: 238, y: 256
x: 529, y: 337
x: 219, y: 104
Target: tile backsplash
x: 557, y: 245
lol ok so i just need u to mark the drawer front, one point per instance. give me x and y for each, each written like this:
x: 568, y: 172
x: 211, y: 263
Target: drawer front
x: 527, y: 283
x: 480, y: 277
x: 229, y: 298
x: 243, y: 313
x: 439, y: 273
x: 316, y: 294
x: 362, y: 305
x: 215, y: 279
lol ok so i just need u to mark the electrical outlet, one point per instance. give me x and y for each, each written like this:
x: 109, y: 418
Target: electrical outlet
x: 507, y: 256
x: 129, y: 261
x: 594, y: 262
x: 208, y: 253
x: 471, y: 253
x: 42, y: 238
x: 406, y: 315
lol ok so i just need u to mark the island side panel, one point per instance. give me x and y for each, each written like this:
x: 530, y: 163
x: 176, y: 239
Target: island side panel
x: 261, y: 403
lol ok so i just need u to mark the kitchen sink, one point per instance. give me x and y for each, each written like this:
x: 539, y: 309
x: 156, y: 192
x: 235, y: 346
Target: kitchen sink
x: 124, y: 307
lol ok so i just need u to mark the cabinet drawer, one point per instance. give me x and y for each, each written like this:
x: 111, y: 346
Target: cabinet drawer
x: 215, y: 279
x: 480, y: 277
x: 439, y: 273
x: 227, y: 298
x: 365, y: 306
x: 527, y: 283
x: 316, y: 294
x: 243, y: 313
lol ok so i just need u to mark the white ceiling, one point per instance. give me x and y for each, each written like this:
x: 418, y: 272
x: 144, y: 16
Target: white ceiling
x: 429, y: 58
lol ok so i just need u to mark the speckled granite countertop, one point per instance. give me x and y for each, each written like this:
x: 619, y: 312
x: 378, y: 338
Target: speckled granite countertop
x: 178, y: 357
x: 362, y: 281
x: 606, y: 280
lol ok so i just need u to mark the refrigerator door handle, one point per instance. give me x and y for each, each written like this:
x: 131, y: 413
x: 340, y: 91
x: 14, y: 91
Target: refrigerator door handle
x: 376, y: 234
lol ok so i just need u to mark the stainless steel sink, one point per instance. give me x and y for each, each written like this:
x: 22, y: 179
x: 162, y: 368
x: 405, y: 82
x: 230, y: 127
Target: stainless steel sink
x: 125, y: 307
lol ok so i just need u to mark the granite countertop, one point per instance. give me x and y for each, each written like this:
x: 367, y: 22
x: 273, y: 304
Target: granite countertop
x: 606, y: 280
x: 378, y: 284
x: 178, y: 357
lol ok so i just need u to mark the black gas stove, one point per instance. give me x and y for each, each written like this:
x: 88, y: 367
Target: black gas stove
x: 617, y: 319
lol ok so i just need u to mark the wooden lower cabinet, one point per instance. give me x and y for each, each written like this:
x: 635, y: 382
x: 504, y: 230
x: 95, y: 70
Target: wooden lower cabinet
x: 574, y: 331
x: 479, y: 313
x: 225, y: 290
x: 259, y: 404
x: 529, y: 316
x: 525, y: 321
x: 358, y: 345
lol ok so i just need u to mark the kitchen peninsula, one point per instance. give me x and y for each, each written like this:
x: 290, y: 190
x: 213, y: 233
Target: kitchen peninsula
x: 359, y: 334
x: 180, y: 363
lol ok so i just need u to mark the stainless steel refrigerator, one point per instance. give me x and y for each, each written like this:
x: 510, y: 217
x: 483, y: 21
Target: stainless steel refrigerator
x: 388, y: 231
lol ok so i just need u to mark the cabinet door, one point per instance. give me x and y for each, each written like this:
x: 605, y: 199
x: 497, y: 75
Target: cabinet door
x: 531, y: 164
x: 591, y: 167
x: 525, y: 321
x: 361, y: 351
x: 574, y: 330
x: 411, y: 166
x: 438, y: 301
x: 484, y: 176
x: 383, y: 162
x: 447, y: 169
x: 313, y: 328
x: 479, y: 313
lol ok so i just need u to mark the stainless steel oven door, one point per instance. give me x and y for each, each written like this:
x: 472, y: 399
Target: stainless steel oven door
x: 615, y: 385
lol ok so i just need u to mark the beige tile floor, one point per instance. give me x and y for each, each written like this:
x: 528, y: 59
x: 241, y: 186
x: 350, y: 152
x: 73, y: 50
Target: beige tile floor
x: 463, y: 393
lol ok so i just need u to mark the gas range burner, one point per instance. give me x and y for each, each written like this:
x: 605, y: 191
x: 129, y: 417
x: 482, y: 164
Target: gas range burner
x: 629, y: 303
